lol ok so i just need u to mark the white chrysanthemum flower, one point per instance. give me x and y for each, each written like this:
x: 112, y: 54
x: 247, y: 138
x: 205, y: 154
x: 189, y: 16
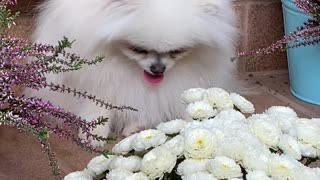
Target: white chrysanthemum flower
x: 224, y: 168
x: 194, y: 125
x: 236, y: 126
x: 309, y: 132
x: 231, y: 114
x: 290, y: 146
x: 287, y: 125
x: 262, y: 117
x: 199, y: 144
x: 118, y: 174
x: 307, y: 150
x: 199, y: 176
x: 172, y: 127
x: 124, y: 146
x: 285, y: 116
x: 282, y: 111
x: 257, y: 175
x: 219, y: 134
x: 242, y: 103
x: 256, y: 160
x: 131, y: 163
x: 98, y: 164
x: 233, y: 147
x: 175, y: 145
x: 190, y: 166
x: 283, y: 167
x: 200, y: 110
x: 250, y: 139
x: 316, y: 170
x: 192, y: 95
x: 303, y: 119
x: 219, y: 99
x: 137, y: 176
x: 315, y: 120
x: 79, y: 175
x: 307, y: 173
x: 147, y: 139
x: 266, y: 130
x: 157, y: 162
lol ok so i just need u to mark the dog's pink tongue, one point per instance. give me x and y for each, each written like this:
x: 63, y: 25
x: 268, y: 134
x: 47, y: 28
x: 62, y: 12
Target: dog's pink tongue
x: 153, y: 79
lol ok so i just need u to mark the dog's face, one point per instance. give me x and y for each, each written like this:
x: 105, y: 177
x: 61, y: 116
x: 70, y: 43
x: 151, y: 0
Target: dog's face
x: 154, y: 61
x: 157, y: 34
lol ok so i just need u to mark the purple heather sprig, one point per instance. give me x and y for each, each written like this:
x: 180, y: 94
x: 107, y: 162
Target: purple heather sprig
x: 309, y: 36
x: 305, y: 35
x: 17, y: 49
x: 311, y: 7
x: 8, y: 2
x: 27, y: 114
x: 7, y: 118
x: 32, y: 75
x: 46, y: 148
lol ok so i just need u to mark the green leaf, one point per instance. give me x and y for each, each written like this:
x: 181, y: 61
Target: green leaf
x: 43, y: 134
x: 107, y: 153
x: 6, y: 19
x: 111, y: 139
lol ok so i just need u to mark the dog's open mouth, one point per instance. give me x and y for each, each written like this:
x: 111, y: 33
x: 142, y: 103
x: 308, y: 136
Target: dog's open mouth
x: 153, y: 79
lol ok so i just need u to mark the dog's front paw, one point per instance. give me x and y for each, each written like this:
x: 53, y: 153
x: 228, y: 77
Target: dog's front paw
x: 102, y: 131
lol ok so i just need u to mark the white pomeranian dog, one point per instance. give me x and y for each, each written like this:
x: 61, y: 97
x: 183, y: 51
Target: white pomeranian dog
x: 154, y: 50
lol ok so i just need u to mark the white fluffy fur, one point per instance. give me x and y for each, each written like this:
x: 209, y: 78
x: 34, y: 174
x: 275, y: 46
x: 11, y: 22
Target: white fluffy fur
x: 99, y: 25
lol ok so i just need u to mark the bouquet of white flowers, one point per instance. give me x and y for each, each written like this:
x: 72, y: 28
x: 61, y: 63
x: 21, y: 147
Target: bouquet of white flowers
x: 220, y: 143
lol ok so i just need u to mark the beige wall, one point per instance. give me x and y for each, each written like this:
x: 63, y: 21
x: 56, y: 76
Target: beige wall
x: 260, y: 24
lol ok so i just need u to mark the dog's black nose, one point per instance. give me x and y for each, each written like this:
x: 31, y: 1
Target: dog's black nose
x: 158, y: 68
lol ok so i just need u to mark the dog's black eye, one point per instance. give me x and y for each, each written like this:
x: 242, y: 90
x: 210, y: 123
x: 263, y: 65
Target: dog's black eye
x: 178, y: 51
x: 138, y: 50
x: 174, y: 53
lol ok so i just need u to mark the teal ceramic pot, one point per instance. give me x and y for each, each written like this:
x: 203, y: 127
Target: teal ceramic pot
x: 304, y: 62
